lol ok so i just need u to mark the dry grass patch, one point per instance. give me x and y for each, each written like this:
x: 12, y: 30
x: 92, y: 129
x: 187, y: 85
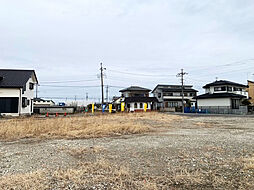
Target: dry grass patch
x: 79, y: 127
x: 248, y: 163
x: 82, y: 151
x: 98, y: 175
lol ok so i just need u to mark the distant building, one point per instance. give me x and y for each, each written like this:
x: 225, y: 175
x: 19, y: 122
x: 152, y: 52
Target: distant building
x: 135, y: 98
x: 17, y: 91
x: 251, y: 91
x: 223, y: 97
x: 170, y: 96
x: 39, y: 102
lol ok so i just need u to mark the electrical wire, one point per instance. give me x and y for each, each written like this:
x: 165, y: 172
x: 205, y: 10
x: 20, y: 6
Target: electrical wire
x: 70, y: 81
x: 58, y: 86
x: 139, y: 74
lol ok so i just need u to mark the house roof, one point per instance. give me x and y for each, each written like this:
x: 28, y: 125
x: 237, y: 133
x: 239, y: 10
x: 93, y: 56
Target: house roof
x: 41, y: 100
x: 10, y: 78
x: 140, y: 99
x: 224, y: 82
x: 219, y: 95
x: 166, y: 86
x: 135, y: 88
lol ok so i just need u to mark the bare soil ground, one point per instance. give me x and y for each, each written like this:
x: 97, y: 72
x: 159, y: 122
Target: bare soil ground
x: 173, y: 152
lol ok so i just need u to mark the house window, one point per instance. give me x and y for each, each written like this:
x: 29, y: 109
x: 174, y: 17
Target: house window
x: 230, y: 89
x: 235, y: 103
x: 223, y: 88
x: 185, y: 94
x: 141, y: 105
x: 24, y: 102
x: 135, y: 105
x: 159, y: 95
x: 31, y: 86
x: 168, y: 94
x: 173, y: 104
x: 237, y: 89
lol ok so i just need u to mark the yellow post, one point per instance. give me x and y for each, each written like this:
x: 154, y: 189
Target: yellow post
x: 110, y: 108
x: 122, y: 106
x: 92, y: 108
x: 145, y: 107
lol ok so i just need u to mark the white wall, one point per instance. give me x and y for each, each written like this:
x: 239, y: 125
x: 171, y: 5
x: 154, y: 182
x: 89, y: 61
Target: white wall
x: 138, y: 106
x: 29, y: 94
x: 9, y: 92
x: 156, y: 93
x: 214, y: 102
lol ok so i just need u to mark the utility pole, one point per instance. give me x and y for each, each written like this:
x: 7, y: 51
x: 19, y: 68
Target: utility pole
x: 87, y: 96
x: 102, y: 86
x: 36, y: 94
x: 107, y: 93
x: 181, y: 74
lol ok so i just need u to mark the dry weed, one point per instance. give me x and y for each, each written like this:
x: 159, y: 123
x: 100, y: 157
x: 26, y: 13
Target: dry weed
x: 82, y: 151
x: 79, y: 127
x: 248, y: 163
x: 98, y: 175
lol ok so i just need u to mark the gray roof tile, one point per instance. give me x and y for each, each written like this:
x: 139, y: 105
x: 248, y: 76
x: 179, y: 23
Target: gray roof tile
x: 10, y: 78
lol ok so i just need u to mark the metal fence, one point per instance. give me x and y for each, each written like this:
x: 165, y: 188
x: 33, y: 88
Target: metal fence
x: 218, y: 110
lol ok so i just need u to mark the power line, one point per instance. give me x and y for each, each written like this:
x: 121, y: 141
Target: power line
x: 116, y: 86
x: 70, y: 81
x: 235, y: 63
x: 70, y: 98
x: 139, y: 74
x: 65, y: 86
x: 222, y: 73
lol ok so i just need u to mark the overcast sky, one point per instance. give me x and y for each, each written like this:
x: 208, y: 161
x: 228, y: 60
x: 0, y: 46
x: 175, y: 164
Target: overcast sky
x: 140, y: 42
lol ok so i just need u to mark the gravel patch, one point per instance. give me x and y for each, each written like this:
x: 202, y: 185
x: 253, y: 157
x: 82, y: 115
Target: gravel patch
x: 203, y: 148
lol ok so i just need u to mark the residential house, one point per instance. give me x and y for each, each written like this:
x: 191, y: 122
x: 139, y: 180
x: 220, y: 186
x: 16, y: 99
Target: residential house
x: 116, y: 102
x: 170, y: 97
x: 39, y: 102
x: 135, y: 98
x: 17, y: 91
x: 223, y: 97
x: 251, y: 91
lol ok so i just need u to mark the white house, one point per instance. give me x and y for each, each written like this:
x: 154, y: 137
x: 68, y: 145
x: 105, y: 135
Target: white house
x: 135, y: 98
x: 223, y: 97
x: 39, y: 102
x: 17, y: 92
x: 170, y: 96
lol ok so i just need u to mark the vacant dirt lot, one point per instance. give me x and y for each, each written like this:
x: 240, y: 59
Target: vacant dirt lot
x: 170, y: 152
